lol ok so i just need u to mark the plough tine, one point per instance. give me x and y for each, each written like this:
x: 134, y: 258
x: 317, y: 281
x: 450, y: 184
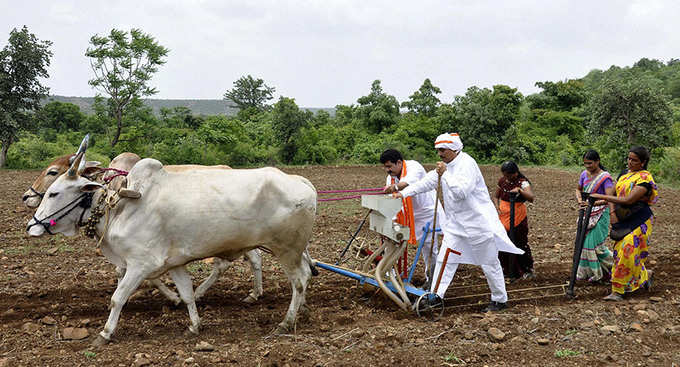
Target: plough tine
x: 563, y: 286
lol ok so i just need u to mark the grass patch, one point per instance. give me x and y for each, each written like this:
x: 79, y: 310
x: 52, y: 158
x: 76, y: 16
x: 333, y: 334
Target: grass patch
x: 17, y: 250
x: 66, y: 248
x: 564, y: 353
x: 571, y: 332
x: 451, y: 357
x: 199, y: 267
x: 89, y: 354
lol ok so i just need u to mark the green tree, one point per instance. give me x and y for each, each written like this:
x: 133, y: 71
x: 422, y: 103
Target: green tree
x: 647, y: 64
x: 559, y: 96
x: 23, y: 61
x: 60, y: 116
x: 378, y: 110
x: 287, y: 120
x: 180, y: 117
x: 250, y: 93
x: 482, y: 116
x: 123, y: 65
x: 631, y: 110
x: 424, y: 101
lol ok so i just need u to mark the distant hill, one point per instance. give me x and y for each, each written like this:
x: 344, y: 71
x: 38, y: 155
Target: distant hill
x: 197, y: 106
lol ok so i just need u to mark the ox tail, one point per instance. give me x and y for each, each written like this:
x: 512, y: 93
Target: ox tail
x: 310, y: 262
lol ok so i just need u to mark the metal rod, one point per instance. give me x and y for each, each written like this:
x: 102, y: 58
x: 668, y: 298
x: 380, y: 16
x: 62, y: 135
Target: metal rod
x: 513, y: 199
x: 584, y: 218
x: 511, y: 291
x: 353, y: 237
x: 367, y: 278
x: 328, y: 266
x: 431, y: 267
x: 441, y: 271
x: 512, y: 258
x: 367, y: 263
x: 513, y: 300
x: 485, y: 285
x: 389, y: 258
x: 418, y: 251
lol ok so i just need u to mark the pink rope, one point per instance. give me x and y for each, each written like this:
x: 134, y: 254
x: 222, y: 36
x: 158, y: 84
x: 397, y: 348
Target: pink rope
x: 341, y: 191
x: 118, y: 172
x: 348, y: 197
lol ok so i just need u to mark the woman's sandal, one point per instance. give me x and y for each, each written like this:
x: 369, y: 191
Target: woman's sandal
x: 614, y: 297
x: 650, y: 280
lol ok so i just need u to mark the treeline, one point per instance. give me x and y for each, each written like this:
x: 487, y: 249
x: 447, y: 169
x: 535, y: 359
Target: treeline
x: 606, y: 110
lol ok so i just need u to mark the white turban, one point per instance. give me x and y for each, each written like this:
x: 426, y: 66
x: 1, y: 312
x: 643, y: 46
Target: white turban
x: 449, y: 141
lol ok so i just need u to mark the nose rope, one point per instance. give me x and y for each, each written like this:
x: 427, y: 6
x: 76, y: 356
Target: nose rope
x: 84, y: 201
x: 35, y: 193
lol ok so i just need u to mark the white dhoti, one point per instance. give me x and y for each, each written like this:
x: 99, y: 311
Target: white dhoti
x: 483, y: 253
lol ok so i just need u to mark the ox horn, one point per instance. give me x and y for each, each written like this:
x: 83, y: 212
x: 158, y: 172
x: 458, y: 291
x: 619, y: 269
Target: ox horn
x: 81, y: 149
x: 83, y: 144
x: 73, y: 170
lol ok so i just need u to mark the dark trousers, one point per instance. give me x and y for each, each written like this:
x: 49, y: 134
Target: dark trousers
x: 514, y: 266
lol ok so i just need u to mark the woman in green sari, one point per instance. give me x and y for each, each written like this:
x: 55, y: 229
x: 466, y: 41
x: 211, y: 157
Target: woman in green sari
x: 596, y: 258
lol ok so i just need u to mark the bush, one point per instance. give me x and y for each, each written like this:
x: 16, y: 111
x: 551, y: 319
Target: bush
x: 33, y: 152
x: 315, y: 146
x: 188, y: 150
x: 667, y: 168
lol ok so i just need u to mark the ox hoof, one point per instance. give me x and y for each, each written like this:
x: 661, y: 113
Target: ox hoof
x: 100, y: 341
x: 191, y: 332
x: 249, y: 299
x: 304, y: 313
x: 281, y: 329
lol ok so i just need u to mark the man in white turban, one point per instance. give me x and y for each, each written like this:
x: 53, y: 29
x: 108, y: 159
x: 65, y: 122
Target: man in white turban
x: 472, y: 228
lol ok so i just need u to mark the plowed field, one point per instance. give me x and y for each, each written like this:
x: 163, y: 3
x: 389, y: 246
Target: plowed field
x: 53, y: 283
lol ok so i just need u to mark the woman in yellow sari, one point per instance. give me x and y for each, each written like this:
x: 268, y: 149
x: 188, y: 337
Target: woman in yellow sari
x: 632, y: 221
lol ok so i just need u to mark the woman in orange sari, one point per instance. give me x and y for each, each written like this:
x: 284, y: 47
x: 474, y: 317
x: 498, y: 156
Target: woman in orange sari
x: 632, y: 222
x: 514, y: 182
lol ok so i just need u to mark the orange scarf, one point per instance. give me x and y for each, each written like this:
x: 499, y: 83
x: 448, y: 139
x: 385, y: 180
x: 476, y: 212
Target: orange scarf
x: 405, y: 216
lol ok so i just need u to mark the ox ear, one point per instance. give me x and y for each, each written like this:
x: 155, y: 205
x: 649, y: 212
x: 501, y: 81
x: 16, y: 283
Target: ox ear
x: 73, y: 170
x: 89, y: 171
x: 88, y: 168
x: 91, y: 186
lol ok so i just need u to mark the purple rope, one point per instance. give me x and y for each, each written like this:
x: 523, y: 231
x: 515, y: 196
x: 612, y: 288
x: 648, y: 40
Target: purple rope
x: 341, y: 191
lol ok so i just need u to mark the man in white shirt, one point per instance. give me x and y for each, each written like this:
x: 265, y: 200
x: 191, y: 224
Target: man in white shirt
x: 418, y: 210
x: 472, y: 227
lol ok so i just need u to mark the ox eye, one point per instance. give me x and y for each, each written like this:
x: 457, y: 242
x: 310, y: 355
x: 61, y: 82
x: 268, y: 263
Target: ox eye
x: 53, y: 194
x: 52, y: 173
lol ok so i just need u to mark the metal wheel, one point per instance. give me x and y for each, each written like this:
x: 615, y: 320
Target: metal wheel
x: 430, y: 306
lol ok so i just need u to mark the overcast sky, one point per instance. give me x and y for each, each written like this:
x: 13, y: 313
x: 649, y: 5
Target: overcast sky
x: 327, y: 52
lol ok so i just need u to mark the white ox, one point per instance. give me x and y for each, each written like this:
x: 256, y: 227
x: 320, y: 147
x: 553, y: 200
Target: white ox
x: 191, y: 215
x: 125, y: 161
